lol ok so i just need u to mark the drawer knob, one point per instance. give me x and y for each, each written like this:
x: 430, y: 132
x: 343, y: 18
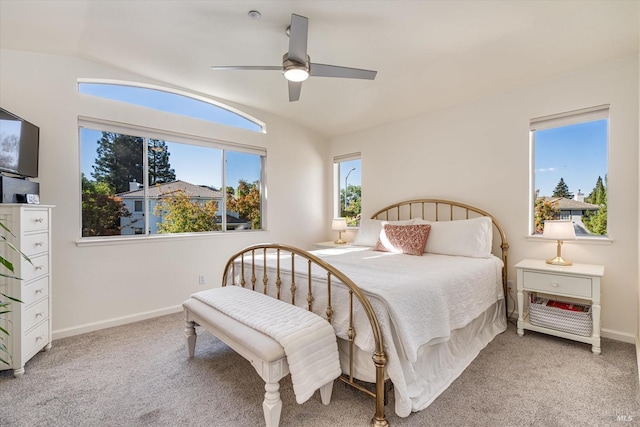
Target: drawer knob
x: 38, y: 267
x: 40, y: 338
x: 39, y: 243
x: 40, y: 314
x: 39, y: 219
x: 555, y: 285
x: 39, y: 291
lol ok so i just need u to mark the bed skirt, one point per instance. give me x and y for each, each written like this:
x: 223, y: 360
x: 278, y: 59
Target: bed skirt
x: 439, y: 364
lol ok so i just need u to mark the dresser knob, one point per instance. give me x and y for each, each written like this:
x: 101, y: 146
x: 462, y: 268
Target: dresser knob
x: 39, y: 220
x: 38, y: 267
x: 39, y: 291
x: 40, y: 338
x: 39, y: 243
x: 40, y: 314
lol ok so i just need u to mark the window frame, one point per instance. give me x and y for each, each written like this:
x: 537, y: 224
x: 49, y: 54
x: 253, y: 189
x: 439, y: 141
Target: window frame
x: 337, y: 160
x: 176, y: 137
x: 573, y: 117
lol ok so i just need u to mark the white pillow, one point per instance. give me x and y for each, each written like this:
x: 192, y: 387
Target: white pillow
x: 369, y: 231
x: 467, y: 237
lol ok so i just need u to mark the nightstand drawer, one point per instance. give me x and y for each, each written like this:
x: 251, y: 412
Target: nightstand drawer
x: 35, y: 314
x: 554, y: 283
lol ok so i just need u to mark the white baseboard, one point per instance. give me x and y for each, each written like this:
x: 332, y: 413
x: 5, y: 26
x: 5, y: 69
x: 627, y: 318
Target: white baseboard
x: 90, y: 327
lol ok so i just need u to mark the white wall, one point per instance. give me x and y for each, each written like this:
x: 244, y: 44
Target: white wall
x: 98, y: 286
x: 478, y: 153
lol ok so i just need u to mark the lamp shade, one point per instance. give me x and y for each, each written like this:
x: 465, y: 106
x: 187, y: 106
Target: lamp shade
x: 339, y: 224
x: 559, y: 230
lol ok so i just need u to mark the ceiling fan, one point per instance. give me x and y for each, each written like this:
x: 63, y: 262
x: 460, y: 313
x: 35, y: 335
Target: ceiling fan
x: 296, y: 65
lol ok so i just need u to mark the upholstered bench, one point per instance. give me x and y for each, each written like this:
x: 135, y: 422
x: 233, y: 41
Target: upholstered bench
x: 265, y: 354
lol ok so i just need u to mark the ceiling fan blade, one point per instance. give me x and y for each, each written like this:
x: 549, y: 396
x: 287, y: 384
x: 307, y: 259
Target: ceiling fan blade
x: 247, y: 67
x: 294, y: 91
x: 322, y: 70
x: 298, y: 38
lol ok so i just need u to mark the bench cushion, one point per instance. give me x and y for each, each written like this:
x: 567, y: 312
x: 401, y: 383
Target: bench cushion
x: 263, y: 346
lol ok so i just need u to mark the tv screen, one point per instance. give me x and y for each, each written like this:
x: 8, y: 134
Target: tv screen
x: 19, y: 142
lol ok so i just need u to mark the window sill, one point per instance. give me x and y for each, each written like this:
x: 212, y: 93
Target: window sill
x: 579, y: 240
x: 106, y: 241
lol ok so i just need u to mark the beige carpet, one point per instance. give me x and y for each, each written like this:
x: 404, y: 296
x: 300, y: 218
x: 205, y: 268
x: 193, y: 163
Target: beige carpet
x: 139, y: 375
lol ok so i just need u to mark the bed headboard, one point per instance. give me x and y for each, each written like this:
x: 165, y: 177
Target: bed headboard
x: 446, y: 210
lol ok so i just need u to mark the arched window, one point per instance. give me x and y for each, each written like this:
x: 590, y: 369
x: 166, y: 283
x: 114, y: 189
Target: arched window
x: 171, y: 102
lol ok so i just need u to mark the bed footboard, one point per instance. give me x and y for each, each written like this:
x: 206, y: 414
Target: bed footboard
x: 249, y: 268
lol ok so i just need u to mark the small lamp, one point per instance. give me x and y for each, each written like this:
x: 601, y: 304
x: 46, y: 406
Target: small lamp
x: 339, y: 225
x: 559, y: 230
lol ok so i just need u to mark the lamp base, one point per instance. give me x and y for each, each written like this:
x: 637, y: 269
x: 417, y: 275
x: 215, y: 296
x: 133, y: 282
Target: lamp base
x: 558, y: 261
x: 339, y: 242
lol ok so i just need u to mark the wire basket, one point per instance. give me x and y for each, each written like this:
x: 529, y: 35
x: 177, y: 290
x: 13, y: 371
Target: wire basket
x: 561, y: 316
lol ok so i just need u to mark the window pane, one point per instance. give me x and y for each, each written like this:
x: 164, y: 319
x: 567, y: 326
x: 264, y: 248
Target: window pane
x: 184, y: 187
x: 109, y: 163
x: 170, y: 103
x: 570, y: 176
x: 349, y: 183
x: 244, y: 191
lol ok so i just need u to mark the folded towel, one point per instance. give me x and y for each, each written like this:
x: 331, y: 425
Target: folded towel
x: 309, y: 341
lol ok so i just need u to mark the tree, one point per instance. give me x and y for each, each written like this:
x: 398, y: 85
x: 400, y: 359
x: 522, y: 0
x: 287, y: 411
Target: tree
x: 544, y: 209
x: 101, y: 210
x: 562, y: 190
x: 180, y: 214
x: 246, y: 202
x: 596, y: 222
x: 351, y: 204
x: 119, y: 161
x: 160, y: 170
x: 598, y: 195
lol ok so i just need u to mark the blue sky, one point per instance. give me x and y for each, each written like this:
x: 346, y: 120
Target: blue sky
x: 576, y: 153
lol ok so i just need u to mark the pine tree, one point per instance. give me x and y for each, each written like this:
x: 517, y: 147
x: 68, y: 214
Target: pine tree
x: 118, y: 161
x: 598, y: 195
x: 159, y: 168
x: 562, y: 190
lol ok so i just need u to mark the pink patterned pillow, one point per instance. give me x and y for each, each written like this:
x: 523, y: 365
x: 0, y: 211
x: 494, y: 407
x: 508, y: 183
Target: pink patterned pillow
x: 403, y: 239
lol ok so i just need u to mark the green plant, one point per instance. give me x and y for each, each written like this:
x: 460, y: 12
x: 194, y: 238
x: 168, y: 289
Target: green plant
x: 5, y: 300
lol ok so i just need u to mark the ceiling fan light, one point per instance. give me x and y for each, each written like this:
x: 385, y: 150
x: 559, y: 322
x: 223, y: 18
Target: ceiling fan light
x: 296, y: 74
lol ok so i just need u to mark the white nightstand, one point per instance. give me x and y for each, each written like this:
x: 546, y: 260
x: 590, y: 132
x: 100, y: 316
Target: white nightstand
x: 330, y: 245
x: 577, y: 281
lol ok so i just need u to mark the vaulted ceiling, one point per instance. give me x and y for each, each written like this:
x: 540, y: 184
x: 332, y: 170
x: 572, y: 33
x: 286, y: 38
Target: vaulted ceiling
x: 428, y: 54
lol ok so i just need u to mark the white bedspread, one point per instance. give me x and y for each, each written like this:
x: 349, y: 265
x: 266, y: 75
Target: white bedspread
x: 427, y: 296
x: 418, y: 300
x: 308, y: 340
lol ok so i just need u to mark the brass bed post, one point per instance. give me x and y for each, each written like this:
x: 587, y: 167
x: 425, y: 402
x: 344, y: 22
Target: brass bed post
x: 293, y: 279
x: 265, y: 277
x: 242, y: 280
x: 309, y: 291
x: 253, y: 270
x: 278, y: 279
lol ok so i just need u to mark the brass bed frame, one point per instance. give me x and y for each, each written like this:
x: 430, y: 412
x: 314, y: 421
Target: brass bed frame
x: 430, y: 209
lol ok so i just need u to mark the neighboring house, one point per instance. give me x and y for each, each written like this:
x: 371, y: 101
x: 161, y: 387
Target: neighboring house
x: 134, y: 202
x: 574, y: 209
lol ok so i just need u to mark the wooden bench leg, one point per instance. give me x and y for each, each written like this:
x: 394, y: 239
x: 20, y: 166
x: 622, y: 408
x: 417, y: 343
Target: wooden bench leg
x: 272, y: 405
x: 325, y: 393
x: 190, y: 335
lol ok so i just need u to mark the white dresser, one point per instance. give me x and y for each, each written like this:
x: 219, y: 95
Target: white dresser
x: 29, y: 323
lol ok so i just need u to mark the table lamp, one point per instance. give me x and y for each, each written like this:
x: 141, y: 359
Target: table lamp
x: 339, y: 225
x: 559, y: 230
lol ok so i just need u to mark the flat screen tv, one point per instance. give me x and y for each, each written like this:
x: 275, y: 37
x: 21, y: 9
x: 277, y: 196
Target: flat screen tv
x: 19, y: 142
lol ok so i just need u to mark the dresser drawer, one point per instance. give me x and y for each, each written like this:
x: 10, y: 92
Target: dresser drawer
x: 557, y: 284
x: 33, y: 291
x: 39, y: 266
x: 35, y: 340
x: 35, y: 314
x: 35, y: 219
x: 35, y: 243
